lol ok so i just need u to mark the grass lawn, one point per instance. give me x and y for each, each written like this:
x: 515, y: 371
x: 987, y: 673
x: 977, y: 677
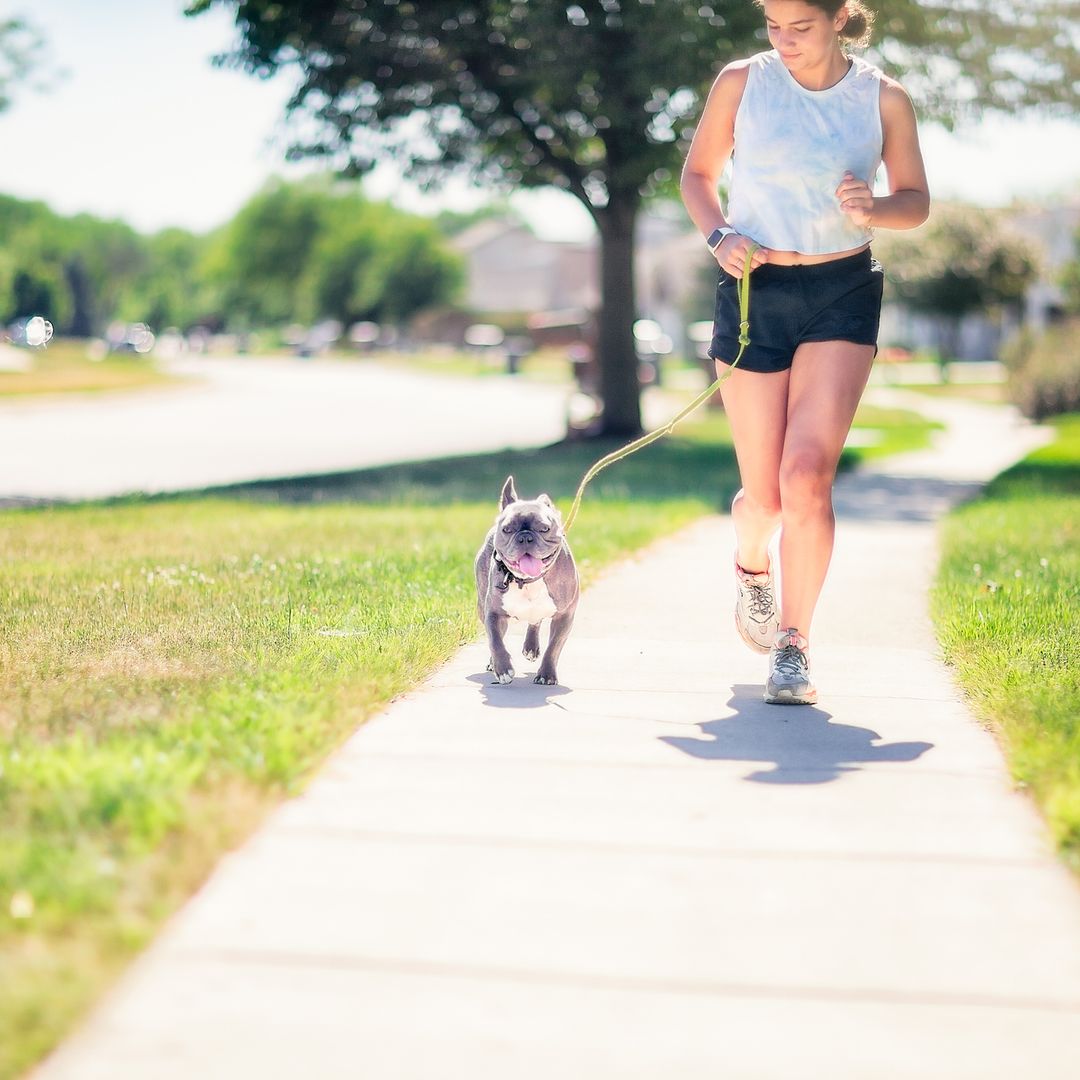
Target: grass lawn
x: 1007, y: 607
x: 171, y: 668
x: 995, y: 393
x: 890, y: 431
x: 65, y: 367
x: 550, y: 365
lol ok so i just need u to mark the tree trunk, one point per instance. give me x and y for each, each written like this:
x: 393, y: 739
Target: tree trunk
x: 620, y: 390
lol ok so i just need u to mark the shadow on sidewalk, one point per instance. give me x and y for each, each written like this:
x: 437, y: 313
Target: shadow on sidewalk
x: 799, y: 742
x: 522, y: 693
x: 870, y: 496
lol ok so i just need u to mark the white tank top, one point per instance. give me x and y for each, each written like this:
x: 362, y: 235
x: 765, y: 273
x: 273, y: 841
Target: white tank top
x: 792, y: 148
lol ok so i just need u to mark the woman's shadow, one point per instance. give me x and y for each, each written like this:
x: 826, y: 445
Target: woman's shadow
x: 798, y: 742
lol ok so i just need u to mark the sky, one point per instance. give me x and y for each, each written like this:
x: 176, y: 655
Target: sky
x: 140, y: 126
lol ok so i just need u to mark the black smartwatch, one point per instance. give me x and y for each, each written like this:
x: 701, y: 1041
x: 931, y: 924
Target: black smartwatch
x: 717, y: 236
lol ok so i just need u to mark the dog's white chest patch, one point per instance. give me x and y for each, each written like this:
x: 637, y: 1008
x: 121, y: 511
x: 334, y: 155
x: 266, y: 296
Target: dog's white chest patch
x: 530, y: 603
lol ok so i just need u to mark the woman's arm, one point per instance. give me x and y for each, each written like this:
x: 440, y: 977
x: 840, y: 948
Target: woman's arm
x: 908, y: 202
x: 714, y: 139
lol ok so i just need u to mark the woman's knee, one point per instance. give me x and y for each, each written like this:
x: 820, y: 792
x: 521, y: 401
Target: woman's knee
x: 806, y: 479
x: 763, y: 505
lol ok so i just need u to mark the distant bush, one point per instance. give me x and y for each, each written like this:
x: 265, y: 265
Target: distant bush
x: 1044, y: 370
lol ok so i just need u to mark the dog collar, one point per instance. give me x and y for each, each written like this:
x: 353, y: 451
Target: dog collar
x: 509, y: 575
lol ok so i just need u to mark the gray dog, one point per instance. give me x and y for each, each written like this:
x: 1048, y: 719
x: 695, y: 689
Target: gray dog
x: 525, y: 571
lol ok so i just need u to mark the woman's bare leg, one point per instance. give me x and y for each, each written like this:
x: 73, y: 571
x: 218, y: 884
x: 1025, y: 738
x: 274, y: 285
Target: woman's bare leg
x: 827, y: 380
x: 756, y: 405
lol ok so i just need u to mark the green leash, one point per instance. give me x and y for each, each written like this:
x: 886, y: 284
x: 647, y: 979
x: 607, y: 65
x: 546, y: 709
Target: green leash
x: 659, y: 433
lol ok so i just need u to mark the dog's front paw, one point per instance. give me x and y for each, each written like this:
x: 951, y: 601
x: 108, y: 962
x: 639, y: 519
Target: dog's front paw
x: 505, y: 677
x: 546, y: 678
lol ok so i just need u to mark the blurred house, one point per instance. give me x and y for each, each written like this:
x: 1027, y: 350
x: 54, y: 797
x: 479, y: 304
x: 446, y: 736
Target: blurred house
x: 557, y: 283
x: 508, y: 269
x: 674, y: 273
x: 1052, y: 230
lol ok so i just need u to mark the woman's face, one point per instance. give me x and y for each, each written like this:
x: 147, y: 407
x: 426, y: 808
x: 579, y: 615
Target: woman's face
x: 802, y: 34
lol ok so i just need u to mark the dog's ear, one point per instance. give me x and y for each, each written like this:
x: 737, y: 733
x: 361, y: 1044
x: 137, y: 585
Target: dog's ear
x: 509, y: 493
x: 546, y: 500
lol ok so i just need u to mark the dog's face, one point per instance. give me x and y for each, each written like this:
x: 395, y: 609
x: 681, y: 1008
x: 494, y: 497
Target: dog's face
x: 528, y: 533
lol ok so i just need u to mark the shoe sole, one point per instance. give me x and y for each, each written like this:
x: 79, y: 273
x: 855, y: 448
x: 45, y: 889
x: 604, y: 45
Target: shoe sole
x: 757, y: 646
x: 788, y: 697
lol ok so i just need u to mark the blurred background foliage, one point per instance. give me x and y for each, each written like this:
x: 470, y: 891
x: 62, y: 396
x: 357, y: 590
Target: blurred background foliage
x: 295, y: 252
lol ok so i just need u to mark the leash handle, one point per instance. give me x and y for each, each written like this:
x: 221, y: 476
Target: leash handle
x: 660, y: 432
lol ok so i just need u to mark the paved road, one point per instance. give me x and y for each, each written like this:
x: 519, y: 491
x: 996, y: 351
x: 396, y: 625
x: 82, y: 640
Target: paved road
x: 647, y: 873
x: 250, y: 419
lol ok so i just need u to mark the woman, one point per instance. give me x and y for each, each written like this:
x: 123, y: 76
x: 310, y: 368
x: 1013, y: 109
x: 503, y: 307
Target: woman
x: 809, y: 126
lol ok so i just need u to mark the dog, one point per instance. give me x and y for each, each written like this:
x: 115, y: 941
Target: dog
x: 525, y: 570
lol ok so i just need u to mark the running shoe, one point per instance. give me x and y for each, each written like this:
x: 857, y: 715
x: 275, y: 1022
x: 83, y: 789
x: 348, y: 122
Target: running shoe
x: 756, y: 617
x: 789, y: 680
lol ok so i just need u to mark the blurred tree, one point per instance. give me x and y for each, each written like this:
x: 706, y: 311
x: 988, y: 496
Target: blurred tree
x: 597, y: 97
x: 317, y: 249
x: 75, y: 271
x: 33, y: 252
x: 258, y: 258
x: 342, y: 250
x: 296, y: 251
x: 961, y: 261
x: 19, y: 46
x: 371, y: 261
x: 37, y: 285
x: 172, y: 290
x: 103, y: 260
x: 410, y: 270
x: 452, y: 222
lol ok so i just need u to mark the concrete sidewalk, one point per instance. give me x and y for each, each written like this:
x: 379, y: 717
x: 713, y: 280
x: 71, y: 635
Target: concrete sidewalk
x: 646, y: 872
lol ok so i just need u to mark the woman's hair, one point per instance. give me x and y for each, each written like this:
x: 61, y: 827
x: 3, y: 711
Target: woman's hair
x: 856, y: 31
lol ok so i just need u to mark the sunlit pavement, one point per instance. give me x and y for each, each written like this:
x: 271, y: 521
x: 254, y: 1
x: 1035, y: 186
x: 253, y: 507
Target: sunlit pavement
x: 645, y: 873
x: 257, y: 419
x: 252, y: 419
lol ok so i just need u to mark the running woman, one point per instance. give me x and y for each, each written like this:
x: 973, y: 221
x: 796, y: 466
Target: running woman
x: 808, y: 125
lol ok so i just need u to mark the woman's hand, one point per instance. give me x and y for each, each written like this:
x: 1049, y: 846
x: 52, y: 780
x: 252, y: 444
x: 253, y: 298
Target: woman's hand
x: 856, y: 199
x: 731, y: 252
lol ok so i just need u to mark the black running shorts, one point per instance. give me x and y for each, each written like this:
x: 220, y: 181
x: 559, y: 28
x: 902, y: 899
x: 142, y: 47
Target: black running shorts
x: 831, y: 301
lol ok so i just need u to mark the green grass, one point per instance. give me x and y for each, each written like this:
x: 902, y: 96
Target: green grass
x: 893, y: 431
x: 1007, y: 607
x: 995, y: 393
x: 65, y: 367
x: 171, y: 668
x: 544, y: 365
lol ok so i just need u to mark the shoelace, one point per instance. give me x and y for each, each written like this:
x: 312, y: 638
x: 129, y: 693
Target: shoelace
x: 791, y: 662
x: 761, y: 599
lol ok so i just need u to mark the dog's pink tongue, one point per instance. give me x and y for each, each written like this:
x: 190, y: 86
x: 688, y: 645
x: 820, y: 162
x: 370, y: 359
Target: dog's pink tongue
x: 530, y: 565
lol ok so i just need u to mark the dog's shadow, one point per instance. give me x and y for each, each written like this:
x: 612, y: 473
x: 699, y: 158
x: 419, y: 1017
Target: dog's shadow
x: 522, y: 693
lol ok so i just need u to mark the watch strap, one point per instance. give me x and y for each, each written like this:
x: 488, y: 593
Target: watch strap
x: 717, y: 236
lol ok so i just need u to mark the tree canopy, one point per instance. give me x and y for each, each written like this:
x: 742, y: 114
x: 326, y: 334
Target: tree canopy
x: 961, y: 261
x: 293, y: 253
x: 313, y: 250
x: 599, y: 94
x: 19, y: 45
x: 597, y: 97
